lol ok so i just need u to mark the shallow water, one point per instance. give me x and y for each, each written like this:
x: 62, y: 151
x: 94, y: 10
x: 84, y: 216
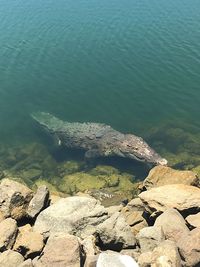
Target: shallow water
x: 132, y: 64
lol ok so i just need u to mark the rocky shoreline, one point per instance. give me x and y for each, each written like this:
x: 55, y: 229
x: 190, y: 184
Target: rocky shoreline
x: 160, y: 227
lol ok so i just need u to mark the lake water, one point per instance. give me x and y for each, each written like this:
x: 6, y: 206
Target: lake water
x: 132, y: 64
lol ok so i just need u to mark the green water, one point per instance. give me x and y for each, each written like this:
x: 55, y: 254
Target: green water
x: 132, y: 64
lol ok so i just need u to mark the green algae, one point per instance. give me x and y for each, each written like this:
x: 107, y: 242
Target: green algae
x: 32, y: 164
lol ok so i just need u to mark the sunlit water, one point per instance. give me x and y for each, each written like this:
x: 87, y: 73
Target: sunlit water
x: 132, y: 64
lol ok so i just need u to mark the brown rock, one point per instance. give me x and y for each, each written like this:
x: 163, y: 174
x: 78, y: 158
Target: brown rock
x: 61, y: 250
x: 134, y: 253
x: 164, y: 255
x: 144, y: 259
x: 28, y: 242
x: 178, y: 196
x: 91, y: 261
x: 189, y: 247
x: 194, y: 220
x: 115, y: 233
x: 8, y: 232
x: 27, y: 263
x: 163, y: 175
x: 134, y: 215
x: 10, y: 258
x: 173, y: 224
x: 38, y: 202
x: 14, y: 199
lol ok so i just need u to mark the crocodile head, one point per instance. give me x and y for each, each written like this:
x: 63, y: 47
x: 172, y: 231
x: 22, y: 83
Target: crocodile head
x: 136, y: 148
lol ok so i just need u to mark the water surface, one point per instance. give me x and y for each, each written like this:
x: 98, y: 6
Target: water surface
x: 133, y: 64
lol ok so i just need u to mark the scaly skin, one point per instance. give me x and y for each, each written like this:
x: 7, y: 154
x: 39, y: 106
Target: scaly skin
x: 98, y: 140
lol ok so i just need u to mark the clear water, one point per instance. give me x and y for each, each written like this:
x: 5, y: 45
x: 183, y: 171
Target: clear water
x: 132, y: 64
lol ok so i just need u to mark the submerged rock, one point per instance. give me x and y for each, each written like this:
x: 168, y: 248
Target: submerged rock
x: 72, y: 215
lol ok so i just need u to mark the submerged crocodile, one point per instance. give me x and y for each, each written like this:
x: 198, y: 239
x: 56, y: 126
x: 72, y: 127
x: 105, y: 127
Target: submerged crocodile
x: 98, y: 140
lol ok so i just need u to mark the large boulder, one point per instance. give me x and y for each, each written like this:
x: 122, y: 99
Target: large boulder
x: 173, y: 224
x: 14, y: 199
x: 194, y: 220
x: 61, y: 250
x: 8, y: 232
x: 179, y: 196
x: 38, y: 202
x: 150, y: 237
x: 110, y: 259
x: 114, y: 233
x: 10, y: 258
x: 189, y: 248
x: 72, y: 215
x: 28, y: 242
x: 163, y: 175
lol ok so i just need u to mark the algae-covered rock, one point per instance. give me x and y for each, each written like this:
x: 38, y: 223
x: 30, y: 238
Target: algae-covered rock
x: 104, y: 170
x: 81, y: 182
x: 69, y: 167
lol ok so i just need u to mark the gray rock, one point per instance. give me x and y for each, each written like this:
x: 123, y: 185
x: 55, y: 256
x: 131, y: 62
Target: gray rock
x: 150, y: 237
x: 173, y: 224
x: 73, y: 215
x: 113, y: 259
x: 38, y: 202
x: 8, y: 232
x: 114, y: 233
x: 193, y: 220
x: 61, y: 250
x: 10, y: 258
x: 14, y: 199
x: 189, y: 248
x: 179, y: 196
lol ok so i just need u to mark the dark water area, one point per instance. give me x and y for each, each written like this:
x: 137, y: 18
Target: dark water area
x: 131, y: 64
